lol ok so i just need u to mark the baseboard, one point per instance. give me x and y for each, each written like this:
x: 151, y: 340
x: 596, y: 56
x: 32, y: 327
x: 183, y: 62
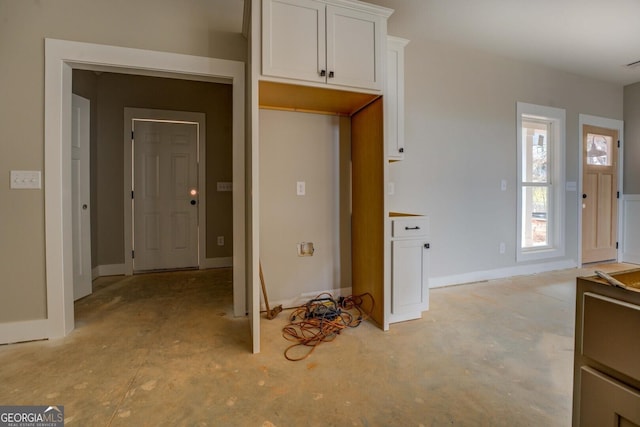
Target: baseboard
x: 27, y: 330
x: 108, y: 270
x: 500, y: 273
x: 119, y: 269
x: 302, y: 299
x: 220, y: 262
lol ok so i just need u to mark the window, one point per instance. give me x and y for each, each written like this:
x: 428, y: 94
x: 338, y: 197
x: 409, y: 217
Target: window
x: 540, y: 209
x: 599, y: 149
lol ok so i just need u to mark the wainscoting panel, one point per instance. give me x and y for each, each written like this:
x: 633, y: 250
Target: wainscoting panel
x: 631, y: 228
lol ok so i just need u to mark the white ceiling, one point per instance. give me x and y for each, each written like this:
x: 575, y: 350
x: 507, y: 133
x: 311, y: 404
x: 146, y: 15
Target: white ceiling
x: 595, y: 38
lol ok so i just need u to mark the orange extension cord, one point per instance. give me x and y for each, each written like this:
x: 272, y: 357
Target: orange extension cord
x: 322, y: 319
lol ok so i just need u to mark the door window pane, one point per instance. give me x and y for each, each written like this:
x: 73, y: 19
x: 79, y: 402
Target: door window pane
x: 599, y: 149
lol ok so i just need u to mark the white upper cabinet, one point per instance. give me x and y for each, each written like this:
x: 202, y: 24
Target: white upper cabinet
x: 335, y: 42
x: 353, y: 48
x: 294, y: 39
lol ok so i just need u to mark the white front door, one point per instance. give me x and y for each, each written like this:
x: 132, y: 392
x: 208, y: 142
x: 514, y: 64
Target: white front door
x: 165, y: 195
x: 80, y: 194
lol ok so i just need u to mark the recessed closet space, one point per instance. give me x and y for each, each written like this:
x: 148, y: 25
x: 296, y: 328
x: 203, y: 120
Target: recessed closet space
x: 309, y: 187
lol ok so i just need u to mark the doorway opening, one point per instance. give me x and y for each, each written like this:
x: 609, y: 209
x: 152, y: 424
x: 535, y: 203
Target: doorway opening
x: 61, y: 58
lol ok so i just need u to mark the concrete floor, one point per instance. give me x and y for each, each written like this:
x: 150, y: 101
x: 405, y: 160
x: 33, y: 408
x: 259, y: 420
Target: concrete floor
x: 164, y: 349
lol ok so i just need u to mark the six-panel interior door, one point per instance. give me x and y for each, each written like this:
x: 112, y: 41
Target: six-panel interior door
x: 80, y: 194
x: 165, y: 189
x: 600, y: 194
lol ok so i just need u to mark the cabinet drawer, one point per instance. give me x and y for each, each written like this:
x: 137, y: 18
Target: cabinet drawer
x: 607, y: 402
x: 414, y: 226
x: 611, y: 333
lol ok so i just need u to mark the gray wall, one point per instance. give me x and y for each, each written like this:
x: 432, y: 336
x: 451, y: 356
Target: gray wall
x: 461, y: 142
x: 632, y: 139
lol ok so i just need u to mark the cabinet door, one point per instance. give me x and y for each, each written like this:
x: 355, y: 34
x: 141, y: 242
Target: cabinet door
x: 294, y: 39
x: 410, y: 292
x: 394, y: 98
x: 354, y: 48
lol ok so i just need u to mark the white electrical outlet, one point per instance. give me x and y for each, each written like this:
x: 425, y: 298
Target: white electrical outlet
x: 503, y: 185
x: 220, y: 240
x: 502, y: 249
x: 305, y: 249
x: 301, y: 188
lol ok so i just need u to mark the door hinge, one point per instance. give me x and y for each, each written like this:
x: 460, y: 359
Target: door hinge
x: 132, y: 194
x: 616, y: 245
x: 617, y: 195
x: 133, y: 254
x: 132, y: 135
x: 618, y: 143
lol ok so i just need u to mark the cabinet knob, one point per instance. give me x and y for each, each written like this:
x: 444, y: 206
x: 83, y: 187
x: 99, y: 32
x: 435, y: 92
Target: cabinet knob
x: 401, y: 150
x: 323, y: 73
x: 330, y: 74
x: 427, y: 246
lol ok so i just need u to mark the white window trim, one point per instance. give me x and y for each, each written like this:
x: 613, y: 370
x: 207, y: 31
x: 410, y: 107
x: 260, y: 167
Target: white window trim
x: 556, y: 247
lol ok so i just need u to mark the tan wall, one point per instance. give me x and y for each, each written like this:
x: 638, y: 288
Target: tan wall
x: 303, y: 147
x: 460, y: 128
x: 164, y: 25
x: 117, y: 91
x: 632, y: 139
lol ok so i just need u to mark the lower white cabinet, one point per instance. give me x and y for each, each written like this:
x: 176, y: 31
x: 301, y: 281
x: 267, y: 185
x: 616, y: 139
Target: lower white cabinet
x: 409, y: 268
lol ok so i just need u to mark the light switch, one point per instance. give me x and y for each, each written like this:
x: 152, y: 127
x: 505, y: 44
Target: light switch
x: 503, y: 185
x: 26, y: 179
x: 224, y: 186
x: 300, y: 188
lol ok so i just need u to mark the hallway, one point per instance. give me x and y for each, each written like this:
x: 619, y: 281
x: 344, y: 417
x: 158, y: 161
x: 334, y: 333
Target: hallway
x: 164, y: 349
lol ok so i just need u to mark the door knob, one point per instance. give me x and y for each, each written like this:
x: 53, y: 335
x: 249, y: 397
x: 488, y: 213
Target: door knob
x: 584, y: 196
x: 193, y: 202
x: 84, y: 207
